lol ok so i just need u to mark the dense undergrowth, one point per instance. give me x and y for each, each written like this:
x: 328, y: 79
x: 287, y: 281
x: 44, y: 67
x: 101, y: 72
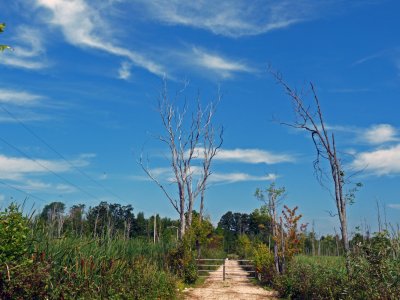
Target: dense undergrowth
x: 374, y: 272
x: 37, y: 264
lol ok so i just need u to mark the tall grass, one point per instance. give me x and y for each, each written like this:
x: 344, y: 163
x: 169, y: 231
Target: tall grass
x: 82, y: 267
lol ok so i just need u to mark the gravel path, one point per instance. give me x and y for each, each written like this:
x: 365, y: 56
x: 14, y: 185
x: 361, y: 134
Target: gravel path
x: 234, y: 287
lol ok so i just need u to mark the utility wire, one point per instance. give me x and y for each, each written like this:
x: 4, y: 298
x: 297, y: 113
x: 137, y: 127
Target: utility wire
x: 22, y: 191
x: 48, y: 169
x: 58, y: 153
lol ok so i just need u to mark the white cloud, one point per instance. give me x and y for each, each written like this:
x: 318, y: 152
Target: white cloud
x: 379, y: 134
x: 83, y: 26
x: 20, y: 98
x: 165, y: 174
x: 385, y: 161
x: 47, y: 187
x: 124, y: 71
x: 252, y: 156
x: 28, y: 50
x: 16, y: 167
x: 64, y: 188
x: 233, y: 18
x: 216, y: 63
x: 373, y: 135
x: 394, y: 206
x: 239, y: 177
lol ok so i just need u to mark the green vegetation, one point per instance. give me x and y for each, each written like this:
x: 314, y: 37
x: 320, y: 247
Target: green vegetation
x: 3, y: 47
x: 299, y: 265
x: 108, y: 252
x: 104, y: 253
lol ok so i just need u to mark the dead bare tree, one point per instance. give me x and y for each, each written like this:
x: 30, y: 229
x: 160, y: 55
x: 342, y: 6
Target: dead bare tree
x: 312, y: 121
x: 210, y: 150
x: 274, y: 198
x: 183, y: 136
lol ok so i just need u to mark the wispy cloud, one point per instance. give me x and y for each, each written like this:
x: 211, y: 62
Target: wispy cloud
x: 20, y: 98
x: 28, y: 50
x: 166, y: 175
x: 379, y: 134
x: 239, y: 177
x: 41, y: 186
x: 124, y: 71
x: 216, y: 63
x: 370, y: 57
x: 17, y: 168
x: 385, y: 161
x: 394, y: 206
x: 83, y: 26
x: 253, y: 156
x: 233, y: 18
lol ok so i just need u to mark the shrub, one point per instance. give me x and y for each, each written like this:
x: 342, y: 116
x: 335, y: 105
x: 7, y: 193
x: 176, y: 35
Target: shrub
x: 375, y: 273
x: 25, y: 281
x: 313, y: 278
x: 14, y: 232
x: 264, y: 262
x: 243, y: 246
x: 182, y: 262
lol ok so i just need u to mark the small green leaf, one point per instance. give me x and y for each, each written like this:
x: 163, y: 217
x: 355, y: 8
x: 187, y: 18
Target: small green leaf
x: 5, y: 47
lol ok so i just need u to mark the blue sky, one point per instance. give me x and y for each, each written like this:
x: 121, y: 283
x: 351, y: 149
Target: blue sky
x: 84, y: 77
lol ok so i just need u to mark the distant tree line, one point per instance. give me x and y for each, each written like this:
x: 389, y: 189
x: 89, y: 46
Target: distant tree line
x: 105, y: 220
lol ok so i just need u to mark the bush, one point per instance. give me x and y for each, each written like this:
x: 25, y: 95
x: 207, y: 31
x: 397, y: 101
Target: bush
x: 264, y: 262
x: 313, y: 278
x: 25, y: 281
x: 375, y: 274
x: 182, y: 262
x: 87, y: 279
x: 243, y: 246
x: 14, y: 232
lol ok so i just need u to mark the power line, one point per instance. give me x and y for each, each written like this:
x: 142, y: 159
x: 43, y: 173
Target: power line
x: 58, y: 153
x: 48, y: 169
x: 22, y: 191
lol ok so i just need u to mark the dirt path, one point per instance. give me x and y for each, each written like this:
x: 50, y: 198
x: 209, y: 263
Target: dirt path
x: 234, y: 287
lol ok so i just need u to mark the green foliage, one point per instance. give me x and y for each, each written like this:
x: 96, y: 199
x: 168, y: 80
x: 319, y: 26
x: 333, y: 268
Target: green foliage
x: 350, y: 195
x: 244, y: 248
x: 182, y: 262
x: 375, y: 274
x: 255, y: 225
x: 264, y: 262
x: 313, y: 278
x: 14, y: 231
x: 3, y: 47
x: 25, y: 281
x: 375, y: 270
x: 88, y: 278
x: 35, y: 265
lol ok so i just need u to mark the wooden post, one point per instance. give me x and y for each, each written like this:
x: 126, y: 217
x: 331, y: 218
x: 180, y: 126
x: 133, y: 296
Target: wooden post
x: 155, y: 228
x: 223, y: 270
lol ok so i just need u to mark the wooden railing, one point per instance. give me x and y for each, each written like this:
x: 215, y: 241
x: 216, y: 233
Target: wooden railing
x: 207, y: 265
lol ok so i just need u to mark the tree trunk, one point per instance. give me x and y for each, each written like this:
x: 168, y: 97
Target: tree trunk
x: 202, y: 204
x: 190, y: 206
x: 182, y: 216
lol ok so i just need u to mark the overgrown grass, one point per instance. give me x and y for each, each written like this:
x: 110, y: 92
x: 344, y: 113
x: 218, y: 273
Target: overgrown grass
x: 66, y: 249
x: 313, y: 278
x: 80, y: 267
x: 325, y: 277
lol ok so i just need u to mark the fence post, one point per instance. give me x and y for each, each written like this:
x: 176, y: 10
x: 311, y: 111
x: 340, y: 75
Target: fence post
x: 223, y: 270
